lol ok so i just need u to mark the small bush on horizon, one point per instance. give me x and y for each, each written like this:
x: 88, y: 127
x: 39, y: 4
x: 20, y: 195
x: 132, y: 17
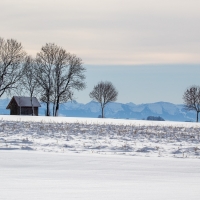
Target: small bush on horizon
x: 155, y: 118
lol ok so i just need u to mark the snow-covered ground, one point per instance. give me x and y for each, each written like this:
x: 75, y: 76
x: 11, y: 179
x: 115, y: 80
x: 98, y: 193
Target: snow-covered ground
x: 81, y: 158
x: 49, y: 176
x: 100, y: 136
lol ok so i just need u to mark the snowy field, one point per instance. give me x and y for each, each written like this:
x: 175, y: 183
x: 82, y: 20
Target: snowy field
x: 79, y: 158
x: 100, y: 136
x: 55, y: 176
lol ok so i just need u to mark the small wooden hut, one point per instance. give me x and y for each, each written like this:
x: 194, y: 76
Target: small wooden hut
x: 22, y: 105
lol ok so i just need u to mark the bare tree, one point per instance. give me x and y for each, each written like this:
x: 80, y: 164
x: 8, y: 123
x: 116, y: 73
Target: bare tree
x: 58, y: 74
x: 104, y: 92
x: 11, y: 70
x: 45, y: 65
x: 68, y: 76
x: 29, y: 82
x: 191, y: 99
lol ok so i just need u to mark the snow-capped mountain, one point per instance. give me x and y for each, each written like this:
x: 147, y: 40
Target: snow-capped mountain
x: 167, y: 111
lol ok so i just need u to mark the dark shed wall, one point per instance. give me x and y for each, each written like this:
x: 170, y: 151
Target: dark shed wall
x: 28, y: 111
x: 14, y: 109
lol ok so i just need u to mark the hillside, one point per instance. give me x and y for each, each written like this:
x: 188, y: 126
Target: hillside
x: 166, y: 110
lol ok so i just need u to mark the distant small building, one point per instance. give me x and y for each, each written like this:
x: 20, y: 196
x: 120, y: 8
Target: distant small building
x: 22, y: 105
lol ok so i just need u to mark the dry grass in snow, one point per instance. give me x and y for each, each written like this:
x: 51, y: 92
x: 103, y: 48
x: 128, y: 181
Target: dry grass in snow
x: 100, y: 136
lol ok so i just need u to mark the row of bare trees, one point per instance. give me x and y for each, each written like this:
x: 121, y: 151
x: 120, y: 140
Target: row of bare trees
x: 52, y: 75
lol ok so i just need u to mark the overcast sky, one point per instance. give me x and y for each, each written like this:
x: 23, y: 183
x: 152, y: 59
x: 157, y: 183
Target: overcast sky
x: 112, y: 33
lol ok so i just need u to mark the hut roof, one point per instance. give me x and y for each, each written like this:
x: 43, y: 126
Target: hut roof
x: 24, y: 101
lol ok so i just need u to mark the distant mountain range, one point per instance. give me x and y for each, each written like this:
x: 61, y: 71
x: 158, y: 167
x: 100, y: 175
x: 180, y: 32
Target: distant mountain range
x: 168, y: 111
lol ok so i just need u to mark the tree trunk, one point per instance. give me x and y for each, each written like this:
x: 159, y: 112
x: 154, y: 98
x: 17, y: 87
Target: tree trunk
x: 197, y: 116
x: 48, y: 113
x: 102, y: 114
x: 48, y: 102
x: 54, y: 106
x: 47, y: 109
x: 57, y: 106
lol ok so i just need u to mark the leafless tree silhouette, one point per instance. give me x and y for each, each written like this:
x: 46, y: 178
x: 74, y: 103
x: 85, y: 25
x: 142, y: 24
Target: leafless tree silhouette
x: 104, y: 92
x: 58, y: 74
x: 45, y: 65
x: 68, y: 75
x: 11, y: 70
x: 191, y: 99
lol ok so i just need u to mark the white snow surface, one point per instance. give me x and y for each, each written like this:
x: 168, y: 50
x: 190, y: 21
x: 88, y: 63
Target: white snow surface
x: 49, y: 176
x: 100, y: 136
x: 82, y: 158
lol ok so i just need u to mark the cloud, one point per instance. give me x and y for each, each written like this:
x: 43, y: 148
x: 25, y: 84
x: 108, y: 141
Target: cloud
x: 108, y: 31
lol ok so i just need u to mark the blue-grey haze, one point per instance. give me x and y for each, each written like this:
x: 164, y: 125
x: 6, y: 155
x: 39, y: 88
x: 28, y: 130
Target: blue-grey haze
x: 167, y: 111
x: 143, y: 83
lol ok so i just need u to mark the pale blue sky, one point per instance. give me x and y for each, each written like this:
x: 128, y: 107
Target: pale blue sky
x: 149, y: 49
x: 143, y: 83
